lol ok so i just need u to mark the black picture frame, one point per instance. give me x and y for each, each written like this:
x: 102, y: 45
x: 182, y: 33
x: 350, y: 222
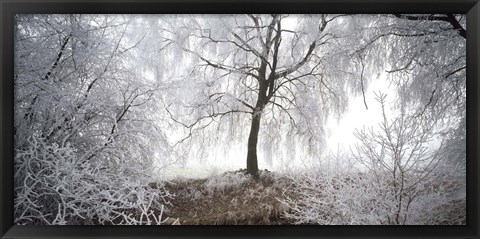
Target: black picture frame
x: 8, y: 8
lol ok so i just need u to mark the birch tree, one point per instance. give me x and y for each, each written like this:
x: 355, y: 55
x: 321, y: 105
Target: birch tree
x: 274, y: 70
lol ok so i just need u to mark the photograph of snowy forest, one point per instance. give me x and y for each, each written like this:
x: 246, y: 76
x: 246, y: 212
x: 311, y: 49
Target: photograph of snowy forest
x: 270, y: 119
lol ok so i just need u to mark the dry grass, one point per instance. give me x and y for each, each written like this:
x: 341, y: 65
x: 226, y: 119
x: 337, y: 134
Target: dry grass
x: 229, y: 199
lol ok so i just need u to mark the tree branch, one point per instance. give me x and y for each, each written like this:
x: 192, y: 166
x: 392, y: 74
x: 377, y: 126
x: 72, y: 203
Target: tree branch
x: 221, y: 66
x: 299, y: 64
x: 450, y: 18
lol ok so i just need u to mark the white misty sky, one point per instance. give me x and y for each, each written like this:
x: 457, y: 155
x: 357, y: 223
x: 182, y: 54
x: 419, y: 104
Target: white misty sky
x: 341, y: 132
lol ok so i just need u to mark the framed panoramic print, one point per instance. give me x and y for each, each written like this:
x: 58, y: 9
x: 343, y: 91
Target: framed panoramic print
x: 278, y: 119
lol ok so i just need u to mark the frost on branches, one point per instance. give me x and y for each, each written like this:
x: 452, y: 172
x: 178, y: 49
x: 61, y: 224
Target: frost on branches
x: 403, y: 180
x: 53, y: 187
x: 104, y: 103
x: 87, y: 133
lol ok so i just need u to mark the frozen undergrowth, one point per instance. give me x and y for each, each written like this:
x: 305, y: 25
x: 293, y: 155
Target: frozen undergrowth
x: 54, y: 186
x: 362, y: 199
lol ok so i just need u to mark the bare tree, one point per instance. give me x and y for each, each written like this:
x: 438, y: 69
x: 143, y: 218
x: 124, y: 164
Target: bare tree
x: 397, y: 181
x: 403, y: 155
x: 256, y: 66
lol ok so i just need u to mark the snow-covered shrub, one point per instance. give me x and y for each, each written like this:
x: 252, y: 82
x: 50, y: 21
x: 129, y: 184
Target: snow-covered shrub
x: 364, y: 199
x: 88, y: 126
x: 53, y: 185
x: 398, y: 179
x: 331, y: 199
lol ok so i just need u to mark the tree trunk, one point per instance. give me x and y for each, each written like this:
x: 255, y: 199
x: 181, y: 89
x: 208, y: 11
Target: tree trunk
x: 252, y: 162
